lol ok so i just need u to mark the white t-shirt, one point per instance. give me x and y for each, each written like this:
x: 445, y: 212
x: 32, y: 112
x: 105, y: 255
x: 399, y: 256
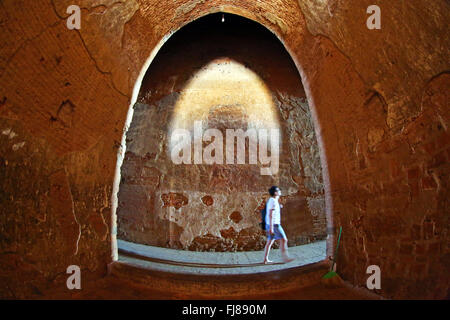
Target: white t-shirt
x: 273, y: 203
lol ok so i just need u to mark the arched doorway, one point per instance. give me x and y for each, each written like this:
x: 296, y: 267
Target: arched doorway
x: 231, y: 74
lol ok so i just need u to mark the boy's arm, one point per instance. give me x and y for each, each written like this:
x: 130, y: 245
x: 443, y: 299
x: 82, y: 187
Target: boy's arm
x: 271, y: 221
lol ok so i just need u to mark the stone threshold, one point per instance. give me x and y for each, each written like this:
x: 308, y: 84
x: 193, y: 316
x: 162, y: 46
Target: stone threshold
x: 217, y: 286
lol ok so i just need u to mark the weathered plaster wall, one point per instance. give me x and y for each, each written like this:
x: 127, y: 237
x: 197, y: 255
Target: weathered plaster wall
x: 217, y: 207
x: 379, y: 101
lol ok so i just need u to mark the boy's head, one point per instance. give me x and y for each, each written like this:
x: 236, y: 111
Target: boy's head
x: 274, y: 190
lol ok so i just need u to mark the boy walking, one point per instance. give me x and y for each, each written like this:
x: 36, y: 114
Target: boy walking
x: 273, y: 226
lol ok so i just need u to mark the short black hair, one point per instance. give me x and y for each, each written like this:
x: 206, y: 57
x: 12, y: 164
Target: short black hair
x: 272, y: 190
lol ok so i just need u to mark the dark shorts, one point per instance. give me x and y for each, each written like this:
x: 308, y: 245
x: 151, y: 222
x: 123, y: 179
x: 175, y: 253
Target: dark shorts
x: 278, y: 232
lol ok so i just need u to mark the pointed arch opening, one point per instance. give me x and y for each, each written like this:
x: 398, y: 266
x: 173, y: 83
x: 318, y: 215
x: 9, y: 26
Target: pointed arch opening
x: 226, y: 75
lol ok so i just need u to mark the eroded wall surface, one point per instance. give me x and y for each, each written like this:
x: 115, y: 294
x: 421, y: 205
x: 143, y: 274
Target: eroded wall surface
x: 378, y: 98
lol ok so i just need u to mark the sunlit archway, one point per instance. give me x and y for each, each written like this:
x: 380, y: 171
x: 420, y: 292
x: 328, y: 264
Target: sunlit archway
x: 215, y: 73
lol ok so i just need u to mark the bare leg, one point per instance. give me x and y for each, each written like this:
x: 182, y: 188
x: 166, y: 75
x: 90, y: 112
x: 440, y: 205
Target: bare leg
x: 266, y: 251
x: 284, y: 250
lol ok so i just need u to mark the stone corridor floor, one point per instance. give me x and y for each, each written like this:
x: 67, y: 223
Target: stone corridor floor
x: 183, y: 261
x: 172, y: 264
